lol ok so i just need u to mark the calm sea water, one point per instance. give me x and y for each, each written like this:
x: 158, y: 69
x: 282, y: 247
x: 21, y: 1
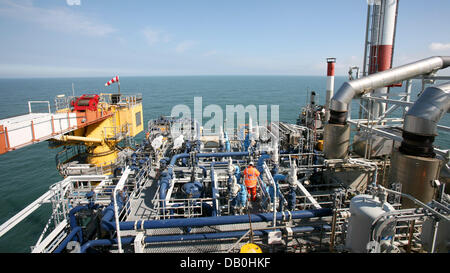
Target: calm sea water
x: 27, y: 173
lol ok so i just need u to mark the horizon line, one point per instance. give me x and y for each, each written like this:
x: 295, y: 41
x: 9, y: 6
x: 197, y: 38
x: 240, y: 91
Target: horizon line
x: 177, y: 75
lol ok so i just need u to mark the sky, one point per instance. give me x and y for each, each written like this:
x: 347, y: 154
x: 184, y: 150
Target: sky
x: 90, y: 38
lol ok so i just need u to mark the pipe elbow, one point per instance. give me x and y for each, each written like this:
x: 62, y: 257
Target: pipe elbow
x: 420, y: 124
x: 342, y: 98
x: 445, y: 61
x: 108, y: 215
x: 422, y: 118
x: 278, y: 177
x: 349, y: 90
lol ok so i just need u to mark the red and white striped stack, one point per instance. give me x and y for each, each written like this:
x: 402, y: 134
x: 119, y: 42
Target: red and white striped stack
x: 382, y: 40
x: 330, y: 86
x: 382, y: 36
x: 113, y: 80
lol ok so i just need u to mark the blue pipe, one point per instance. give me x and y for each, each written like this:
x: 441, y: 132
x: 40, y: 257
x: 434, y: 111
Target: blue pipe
x: 204, y: 171
x: 223, y: 220
x: 198, y: 236
x: 291, y: 198
x: 186, y: 151
x: 247, y: 142
x: 107, y: 222
x: 311, y: 228
x: 261, y: 160
x: 229, y: 181
x: 75, y: 232
x: 225, y: 154
x: 227, y: 143
x: 198, y: 145
x: 105, y: 242
x: 164, y: 184
x: 202, y: 236
x: 276, y: 178
x: 72, y: 220
x: 275, y: 169
x: 241, y: 198
x: 174, y: 160
x: 185, y: 155
x: 279, y: 177
x: 107, y: 219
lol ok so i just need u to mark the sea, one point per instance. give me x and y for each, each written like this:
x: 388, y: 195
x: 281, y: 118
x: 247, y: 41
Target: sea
x: 27, y: 173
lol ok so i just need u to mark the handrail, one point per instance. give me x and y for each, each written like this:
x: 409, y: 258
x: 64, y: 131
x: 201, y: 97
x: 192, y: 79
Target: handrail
x: 119, y: 187
x: 30, y: 102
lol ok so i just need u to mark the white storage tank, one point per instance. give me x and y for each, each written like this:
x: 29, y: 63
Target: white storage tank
x: 364, y: 210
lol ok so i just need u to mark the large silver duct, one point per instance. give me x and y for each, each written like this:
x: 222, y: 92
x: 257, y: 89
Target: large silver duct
x: 426, y: 112
x: 414, y: 165
x: 350, y: 89
x: 426, y: 115
x: 415, y: 175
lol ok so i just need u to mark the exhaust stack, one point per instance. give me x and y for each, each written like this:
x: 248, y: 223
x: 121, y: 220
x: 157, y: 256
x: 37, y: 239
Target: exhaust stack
x: 330, y: 85
x: 383, y: 24
x: 382, y: 36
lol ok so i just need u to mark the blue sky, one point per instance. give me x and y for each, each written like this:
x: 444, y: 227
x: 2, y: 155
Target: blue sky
x: 77, y: 38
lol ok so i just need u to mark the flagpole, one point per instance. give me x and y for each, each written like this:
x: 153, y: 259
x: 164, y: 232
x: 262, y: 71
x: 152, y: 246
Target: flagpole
x: 118, y: 85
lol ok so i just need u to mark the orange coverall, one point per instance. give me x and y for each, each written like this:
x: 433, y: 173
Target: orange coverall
x: 251, y: 179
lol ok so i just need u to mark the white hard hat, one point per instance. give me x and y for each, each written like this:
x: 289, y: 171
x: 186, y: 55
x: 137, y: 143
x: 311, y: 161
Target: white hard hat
x: 251, y: 163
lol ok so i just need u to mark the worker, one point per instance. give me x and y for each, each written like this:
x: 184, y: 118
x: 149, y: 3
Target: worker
x: 251, y: 179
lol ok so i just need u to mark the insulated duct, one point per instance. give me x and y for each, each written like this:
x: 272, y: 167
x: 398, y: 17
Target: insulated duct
x: 219, y: 220
x: 338, y: 147
x: 351, y: 89
x: 420, y: 124
x: 414, y: 165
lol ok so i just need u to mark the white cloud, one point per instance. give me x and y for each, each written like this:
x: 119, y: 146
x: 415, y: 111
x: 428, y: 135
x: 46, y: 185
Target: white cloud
x: 185, y: 45
x: 210, y: 53
x: 58, y: 19
x: 439, y: 46
x: 155, y: 36
x: 73, y: 2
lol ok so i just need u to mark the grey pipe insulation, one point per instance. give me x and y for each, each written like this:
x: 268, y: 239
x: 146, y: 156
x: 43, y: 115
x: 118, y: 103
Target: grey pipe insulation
x: 420, y: 124
x: 349, y: 90
x: 420, y: 121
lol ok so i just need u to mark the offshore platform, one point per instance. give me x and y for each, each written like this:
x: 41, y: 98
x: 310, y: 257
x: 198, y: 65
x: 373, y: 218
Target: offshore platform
x: 329, y: 183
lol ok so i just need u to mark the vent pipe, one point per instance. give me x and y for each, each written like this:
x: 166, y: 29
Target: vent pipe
x: 382, y: 44
x: 330, y: 85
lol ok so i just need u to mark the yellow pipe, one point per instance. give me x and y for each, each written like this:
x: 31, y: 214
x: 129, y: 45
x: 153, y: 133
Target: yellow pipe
x: 82, y: 139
